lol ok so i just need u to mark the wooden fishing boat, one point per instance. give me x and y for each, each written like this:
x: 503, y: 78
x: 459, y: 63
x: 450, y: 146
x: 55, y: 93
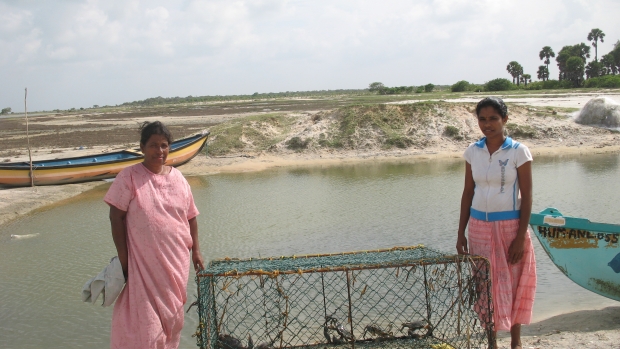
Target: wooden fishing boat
x: 587, y: 252
x: 93, y: 167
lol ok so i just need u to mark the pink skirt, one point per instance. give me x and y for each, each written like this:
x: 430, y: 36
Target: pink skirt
x: 514, y: 285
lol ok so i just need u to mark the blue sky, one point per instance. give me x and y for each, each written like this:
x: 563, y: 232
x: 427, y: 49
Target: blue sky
x: 78, y: 53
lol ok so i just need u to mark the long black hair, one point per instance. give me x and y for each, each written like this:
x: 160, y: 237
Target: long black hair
x: 147, y: 129
x: 495, y: 103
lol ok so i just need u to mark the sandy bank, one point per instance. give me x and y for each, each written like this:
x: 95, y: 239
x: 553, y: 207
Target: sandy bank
x: 580, y: 329
x: 263, y: 161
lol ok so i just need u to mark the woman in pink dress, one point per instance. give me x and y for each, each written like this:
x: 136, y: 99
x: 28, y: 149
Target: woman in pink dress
x: 154, y: 228
x: 495, y: 208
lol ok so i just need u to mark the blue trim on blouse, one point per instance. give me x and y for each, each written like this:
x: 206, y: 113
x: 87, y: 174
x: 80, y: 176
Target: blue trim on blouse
x: 494, y: 216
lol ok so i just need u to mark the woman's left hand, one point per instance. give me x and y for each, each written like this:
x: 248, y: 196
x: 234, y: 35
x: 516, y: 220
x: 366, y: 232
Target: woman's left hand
x: 197, y: 261
x: 516, y: 250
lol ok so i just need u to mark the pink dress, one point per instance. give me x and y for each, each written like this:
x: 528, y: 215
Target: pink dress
x: 513, y: 285
x: 149, y: 311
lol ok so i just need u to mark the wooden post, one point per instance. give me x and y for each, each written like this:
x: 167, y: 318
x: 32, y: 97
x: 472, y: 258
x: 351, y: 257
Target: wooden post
x: 28, y: 136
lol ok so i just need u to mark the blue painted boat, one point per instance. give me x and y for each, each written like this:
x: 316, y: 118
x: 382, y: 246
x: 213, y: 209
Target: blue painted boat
x: 93, y: 167
x: 587, y: 252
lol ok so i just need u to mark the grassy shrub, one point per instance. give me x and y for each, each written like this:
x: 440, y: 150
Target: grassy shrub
x: 227, y: 136
x: 453, y: 132
x: 521, y: 131
x: 463, y: 86
x: 606, y: 81
x: 420, y: 89
x: 536, y: 85
x: 548, y: 85
x: 398, y: 141
x: 499, y: 84
x: 460, y: 86
x: 389, y: 121
x: 551, y: 85
x: 335, y: 143
x: 297, y: 144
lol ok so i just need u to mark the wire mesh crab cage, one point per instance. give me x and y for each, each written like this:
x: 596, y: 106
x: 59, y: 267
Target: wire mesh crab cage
x: 404, y: 297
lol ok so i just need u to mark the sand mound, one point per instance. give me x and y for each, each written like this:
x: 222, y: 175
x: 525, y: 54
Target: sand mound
x: 600, y: 111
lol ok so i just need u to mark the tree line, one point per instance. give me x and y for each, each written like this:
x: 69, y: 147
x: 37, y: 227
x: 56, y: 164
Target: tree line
x: 380, y: 88
x: 572, y: 62
x: 218, y: 98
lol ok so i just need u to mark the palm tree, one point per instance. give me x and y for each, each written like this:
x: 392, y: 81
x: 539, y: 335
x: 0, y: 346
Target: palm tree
x: 595, y: 35
x: 542, y: 73
x: 546, y: 53
x: 515, y: 69
x: 525, y: 78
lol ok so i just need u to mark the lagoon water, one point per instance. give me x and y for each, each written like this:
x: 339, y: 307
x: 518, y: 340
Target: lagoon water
x: 273, y: 213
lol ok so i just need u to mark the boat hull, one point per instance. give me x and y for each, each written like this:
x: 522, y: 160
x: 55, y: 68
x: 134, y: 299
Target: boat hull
x: 91, y: 168
x: 586, y: 252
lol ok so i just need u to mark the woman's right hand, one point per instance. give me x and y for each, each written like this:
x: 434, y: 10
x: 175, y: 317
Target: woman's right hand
x: 461, y: 245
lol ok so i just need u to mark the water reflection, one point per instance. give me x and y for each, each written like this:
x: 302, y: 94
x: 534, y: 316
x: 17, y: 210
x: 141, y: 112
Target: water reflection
x: 596, y: 165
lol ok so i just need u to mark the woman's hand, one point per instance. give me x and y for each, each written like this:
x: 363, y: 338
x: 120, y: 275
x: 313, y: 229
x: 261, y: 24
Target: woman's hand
x: 197, y: 261
x: 466, y: 200
x: 119, y: 235
x: 516, y: 249
x: 461, y: 245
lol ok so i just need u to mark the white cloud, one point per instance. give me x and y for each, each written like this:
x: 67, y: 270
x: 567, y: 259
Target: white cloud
x: 61, y: 53
x: 115, y: 51
x: 13, y: 20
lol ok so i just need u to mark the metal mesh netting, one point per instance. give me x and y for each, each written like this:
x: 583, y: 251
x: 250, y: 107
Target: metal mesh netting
x: 404, y: 297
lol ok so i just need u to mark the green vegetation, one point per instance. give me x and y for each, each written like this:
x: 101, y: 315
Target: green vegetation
x: 463, y: 86
x: 520, y: 131
x: 515, y: 70
x: 256, y: 96
x: 595, y: 35
x: 258, y: 131
x: 545, y: 55
x: 606, y: 81
x: 398, y: 141
x: 397, y: 126
x: 543, y: 73
x: 381, y: 89
x: 5, y: 111
x: 525, y: 78
x: 297, y: 144
x: 453, y: 132
x: 572, y: 63
x: 548, y: 85
x: 460, y: 86
x: 499, y: 84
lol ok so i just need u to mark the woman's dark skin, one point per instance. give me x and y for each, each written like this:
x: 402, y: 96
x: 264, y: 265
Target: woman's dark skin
x: 492, y: 125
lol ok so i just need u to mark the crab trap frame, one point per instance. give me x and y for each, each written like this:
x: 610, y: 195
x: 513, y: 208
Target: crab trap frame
x: 404, y: 297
